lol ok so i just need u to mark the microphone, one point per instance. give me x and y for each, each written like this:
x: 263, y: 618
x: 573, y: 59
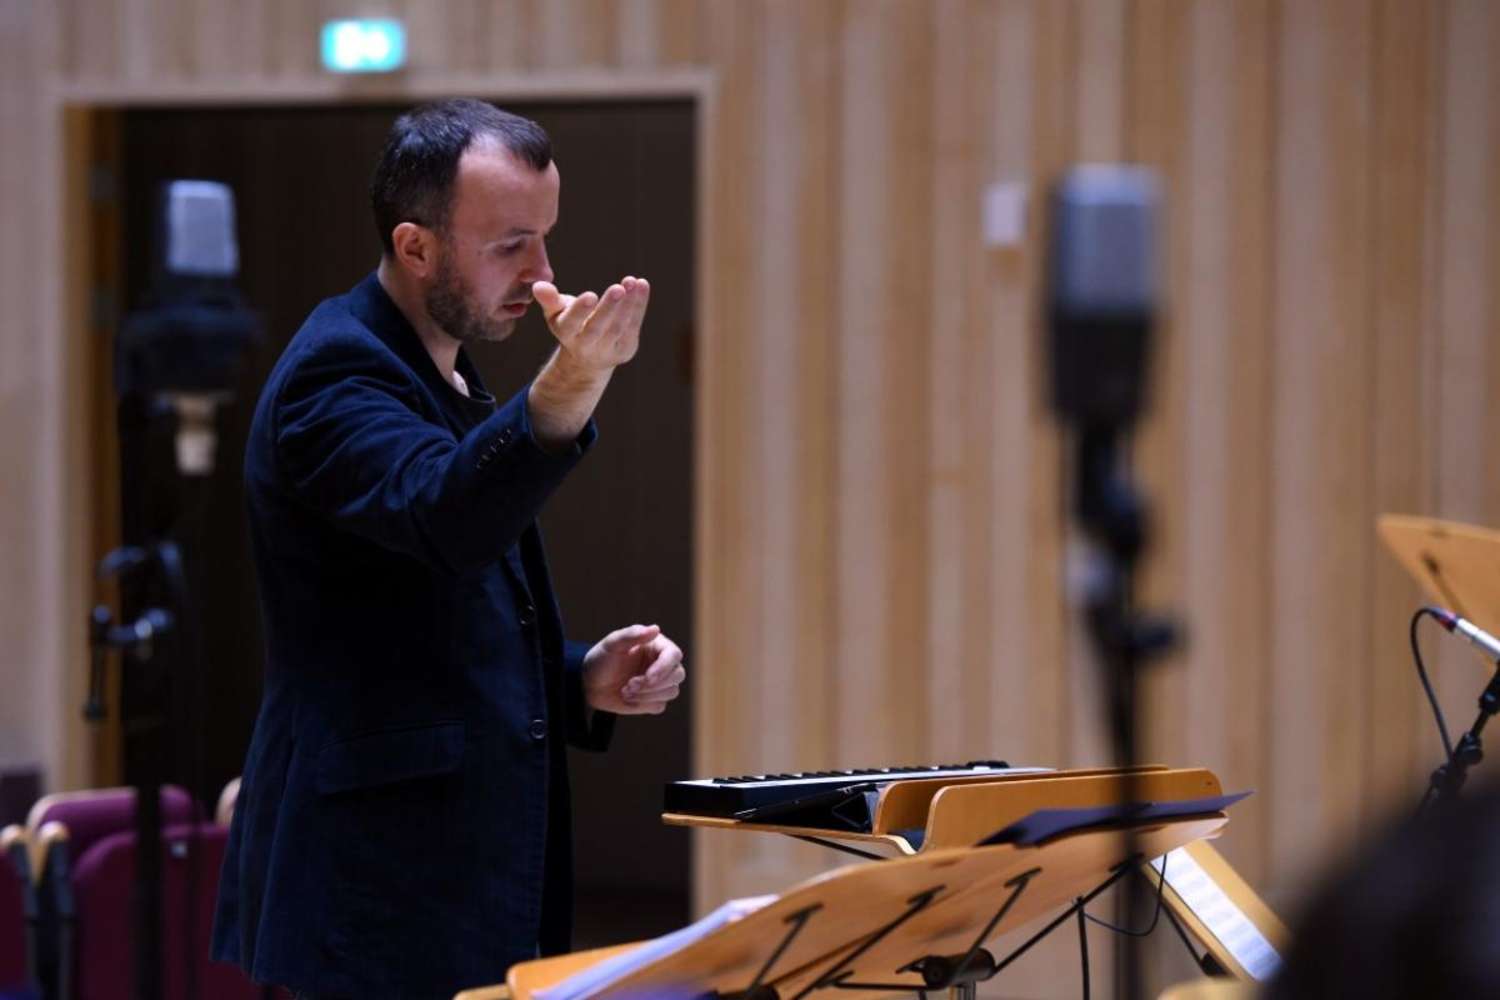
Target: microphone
x: 186, y: 347
x: 1103, y: 294
x: 1486, y: 643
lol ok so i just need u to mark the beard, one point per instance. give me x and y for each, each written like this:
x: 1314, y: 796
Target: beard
x: 452, y: 305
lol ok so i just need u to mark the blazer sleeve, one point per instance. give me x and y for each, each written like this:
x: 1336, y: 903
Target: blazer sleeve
x: 352, y: 442
x: 587, y: 729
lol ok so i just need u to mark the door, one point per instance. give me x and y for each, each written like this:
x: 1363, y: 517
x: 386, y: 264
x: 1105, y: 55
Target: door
x: 619, y: 531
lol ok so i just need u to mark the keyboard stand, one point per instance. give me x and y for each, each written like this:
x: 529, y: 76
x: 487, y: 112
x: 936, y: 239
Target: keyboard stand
x: 934, y: 813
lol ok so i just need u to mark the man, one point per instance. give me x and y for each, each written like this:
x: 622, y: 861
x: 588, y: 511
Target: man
x: 402, y: 828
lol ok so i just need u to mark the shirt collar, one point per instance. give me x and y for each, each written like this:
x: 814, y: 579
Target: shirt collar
x: 370, y: 302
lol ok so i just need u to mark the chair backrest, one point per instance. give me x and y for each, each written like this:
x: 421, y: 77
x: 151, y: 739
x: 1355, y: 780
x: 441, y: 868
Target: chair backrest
x: 97, y: 813
x: 68, y: 825
x: 15, y: 963
x: 224, y: 812
x: 102, y: 879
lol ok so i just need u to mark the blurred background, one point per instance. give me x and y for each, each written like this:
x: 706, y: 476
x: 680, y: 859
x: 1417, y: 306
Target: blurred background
x: 831, y: 471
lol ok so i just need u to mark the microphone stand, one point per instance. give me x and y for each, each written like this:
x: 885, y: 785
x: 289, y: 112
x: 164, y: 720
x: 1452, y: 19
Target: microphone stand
x: 144, y: 719
x: 1113, y: 514
x: 1448, y: 778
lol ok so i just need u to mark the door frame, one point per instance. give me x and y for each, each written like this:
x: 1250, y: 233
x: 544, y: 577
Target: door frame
x: 92, y: 456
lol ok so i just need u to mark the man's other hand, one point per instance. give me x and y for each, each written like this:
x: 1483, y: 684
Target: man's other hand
x: 633, y: 671
x: 596, y: 332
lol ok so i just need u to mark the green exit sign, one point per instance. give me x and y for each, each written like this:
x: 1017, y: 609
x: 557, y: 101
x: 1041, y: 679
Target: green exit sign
x: 365, y: 45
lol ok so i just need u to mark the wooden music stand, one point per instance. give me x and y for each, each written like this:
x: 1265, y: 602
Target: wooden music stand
x: 1457, y: 565
x: 891, y: 928
x: 955, y: 814
x: 1210, y: 901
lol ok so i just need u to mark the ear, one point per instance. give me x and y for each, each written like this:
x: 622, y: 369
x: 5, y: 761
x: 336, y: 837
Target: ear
x: 416, y: 249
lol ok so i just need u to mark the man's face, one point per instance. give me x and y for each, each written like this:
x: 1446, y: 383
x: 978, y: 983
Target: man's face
x: 495, y: 244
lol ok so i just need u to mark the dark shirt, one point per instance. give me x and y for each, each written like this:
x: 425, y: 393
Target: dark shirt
x: 402, y: 828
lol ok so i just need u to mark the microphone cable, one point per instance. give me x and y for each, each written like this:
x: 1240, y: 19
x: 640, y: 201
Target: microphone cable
x: 1084, y: 917
x: 1161, y: 883
x: 1416, y: 653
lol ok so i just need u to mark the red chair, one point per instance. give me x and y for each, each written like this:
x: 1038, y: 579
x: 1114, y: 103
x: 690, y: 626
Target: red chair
x: 191, y: 856
x: 89, y: 851
x: 17, y: 915
x: 63, y: 827
x: 99, y: 812
x: 224, y: 811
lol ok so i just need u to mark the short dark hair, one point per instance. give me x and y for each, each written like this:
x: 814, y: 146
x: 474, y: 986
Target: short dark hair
x: 413, y: 179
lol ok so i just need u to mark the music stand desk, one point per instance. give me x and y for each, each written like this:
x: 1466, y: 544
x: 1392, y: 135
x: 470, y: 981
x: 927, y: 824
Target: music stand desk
x: 956, y: 814
x: 865, y: 924
x: 1239, y: 894
x: 1457, y: 565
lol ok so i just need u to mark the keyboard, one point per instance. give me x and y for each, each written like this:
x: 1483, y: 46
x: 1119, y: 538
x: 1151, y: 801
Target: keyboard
x: 750, y: 796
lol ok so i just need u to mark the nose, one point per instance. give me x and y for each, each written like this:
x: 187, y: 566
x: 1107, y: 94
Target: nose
x: 538, y: 268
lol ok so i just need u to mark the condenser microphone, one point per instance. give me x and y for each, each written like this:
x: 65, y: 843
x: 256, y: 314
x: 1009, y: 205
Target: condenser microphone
x: 1485, y: 642
x: 187, y: 346
x: 1104, y: 292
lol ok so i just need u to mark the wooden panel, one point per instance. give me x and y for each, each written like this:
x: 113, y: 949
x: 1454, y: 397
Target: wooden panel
x: 1322, y: 512
x: 1159, y: 89
x: 1401, y: 739
x: 1490, y: 137
x: 574, y: 33
x: 1464, y: 267
x: 1014, y: 605
x: 808, y: 112
x: 954, y: 467
x: 28, y: 662
x: 724, y: 684
x: 1064, y: 732
x: 1221, y: 311
x: 882, y: 520
x: 881, y: 385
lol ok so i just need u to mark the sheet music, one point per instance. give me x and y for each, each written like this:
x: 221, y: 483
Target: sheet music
x: 596, y: 977
x: 1223, y: 918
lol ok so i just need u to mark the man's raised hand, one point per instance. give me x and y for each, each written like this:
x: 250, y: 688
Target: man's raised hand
x: 596, y: 332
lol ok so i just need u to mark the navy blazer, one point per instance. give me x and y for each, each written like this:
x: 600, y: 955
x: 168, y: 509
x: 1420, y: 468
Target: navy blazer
x: 402, y: 828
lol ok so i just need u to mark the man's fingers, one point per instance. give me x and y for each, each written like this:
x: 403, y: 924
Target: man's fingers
x: 663, y: 673
x: 631, y: 635
x: 666, y: 673
x: 639, y: 290
x: 631, y: 314
x: 672, y: 682
x: 567, y: 314
x: 656, y: 703
x: 576, y: 313
x: 603, y: 328
x: 605, y: 319
x: 548, y: 297
x: 648, y: 706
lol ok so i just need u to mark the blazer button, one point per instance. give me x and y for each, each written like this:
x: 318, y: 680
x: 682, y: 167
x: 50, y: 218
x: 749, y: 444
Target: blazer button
x: 526, y: 616
x: 538, y: 729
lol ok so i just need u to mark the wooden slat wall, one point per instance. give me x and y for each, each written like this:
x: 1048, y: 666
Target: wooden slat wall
x: 882, y: 526
x: 45, y: 420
